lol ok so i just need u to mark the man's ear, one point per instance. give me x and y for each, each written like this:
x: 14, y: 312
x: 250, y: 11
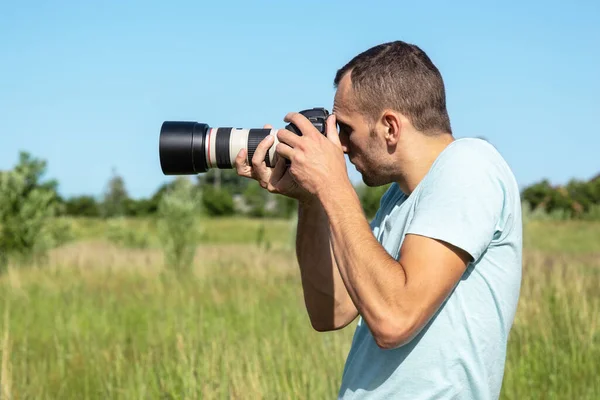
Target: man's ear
x: 392, y: 125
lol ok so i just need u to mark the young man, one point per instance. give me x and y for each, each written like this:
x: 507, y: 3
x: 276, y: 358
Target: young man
x: 435, y: 277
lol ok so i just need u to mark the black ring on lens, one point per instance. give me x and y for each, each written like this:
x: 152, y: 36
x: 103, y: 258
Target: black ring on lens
x: 222, y: 148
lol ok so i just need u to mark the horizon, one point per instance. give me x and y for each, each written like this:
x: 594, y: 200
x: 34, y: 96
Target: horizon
x: 86, y: 87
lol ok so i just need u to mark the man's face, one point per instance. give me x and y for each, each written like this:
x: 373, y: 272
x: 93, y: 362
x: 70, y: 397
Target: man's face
x: 360, y: 141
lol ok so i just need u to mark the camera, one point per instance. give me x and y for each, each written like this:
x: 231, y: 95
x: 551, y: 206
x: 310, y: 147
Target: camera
x: 187, y: 147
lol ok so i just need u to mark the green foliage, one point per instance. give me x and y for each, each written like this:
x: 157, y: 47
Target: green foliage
x: 256, y: 200
x: 139, y: 207
x: 578, y: 199
x: 120, y: 232
x: 259, y: 203
x: 584, y: 195
x: 593, y: 214
x: 286, y: 207
x: 261, y: 241
x: 178, y: 227
x: 81, y: 206
x: 115, y: 197
x: 217, y: 202
x: 27, y: 210
x: 370, y: 198
x: 538, y: 195
x: 225, y: 179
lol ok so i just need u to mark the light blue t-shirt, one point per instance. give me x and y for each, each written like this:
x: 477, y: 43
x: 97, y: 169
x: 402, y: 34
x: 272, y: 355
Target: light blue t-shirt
x: 470, y: 199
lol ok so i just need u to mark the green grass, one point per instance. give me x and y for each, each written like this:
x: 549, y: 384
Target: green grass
x: 566, y: 237
x: 235, y: 330
x: 105, y: 322
x: 214, y: 230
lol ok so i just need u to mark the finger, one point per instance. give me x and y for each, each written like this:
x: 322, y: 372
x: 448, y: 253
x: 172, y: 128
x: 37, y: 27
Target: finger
x: 331, y: 130
x: 284, y: 150
x: 289, y: 138
x: 287, y: 180
x: 278, y: 171
x: 241, y: 164
x: 267, y: 126
x: 305, y: 126
x: 258, y: 159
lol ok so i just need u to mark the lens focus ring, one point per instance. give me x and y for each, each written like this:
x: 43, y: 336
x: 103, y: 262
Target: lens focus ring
x: 255, y: 136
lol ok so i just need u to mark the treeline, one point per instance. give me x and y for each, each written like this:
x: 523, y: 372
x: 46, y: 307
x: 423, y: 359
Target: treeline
x: 578, y: 199
x: 224, y: 193
x: 30, y: 205
x: 221, y: 193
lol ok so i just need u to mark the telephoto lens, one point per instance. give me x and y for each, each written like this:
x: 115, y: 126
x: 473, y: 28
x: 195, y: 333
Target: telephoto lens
x: 188, y: 148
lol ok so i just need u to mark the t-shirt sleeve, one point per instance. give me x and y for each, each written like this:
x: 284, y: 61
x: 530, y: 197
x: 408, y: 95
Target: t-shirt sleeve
x: 460, y: 202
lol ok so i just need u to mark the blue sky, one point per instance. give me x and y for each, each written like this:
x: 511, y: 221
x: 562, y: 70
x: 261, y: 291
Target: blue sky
x: 86, y: 85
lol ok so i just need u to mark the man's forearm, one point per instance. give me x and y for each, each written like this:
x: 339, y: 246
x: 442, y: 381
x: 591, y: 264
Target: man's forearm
x: 374, y: 280
x: 327, y: 301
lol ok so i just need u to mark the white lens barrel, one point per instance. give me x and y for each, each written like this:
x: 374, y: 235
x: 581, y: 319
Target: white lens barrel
x: 222, y: 145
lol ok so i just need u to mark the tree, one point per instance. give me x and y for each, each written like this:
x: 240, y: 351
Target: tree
x: 27, y: 208
x: 576, y: 199
x: 225, y: 179
x: 538, y: 195
x: 81, y: 206
x: 115, y: 197
x: 217, y: 202
x: 178, y: 224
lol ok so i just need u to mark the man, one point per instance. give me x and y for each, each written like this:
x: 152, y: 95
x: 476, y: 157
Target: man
x: 435, y: 277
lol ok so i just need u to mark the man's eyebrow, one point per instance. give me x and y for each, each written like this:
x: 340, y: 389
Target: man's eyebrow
x: 344, y: 125
x: 340, y: 121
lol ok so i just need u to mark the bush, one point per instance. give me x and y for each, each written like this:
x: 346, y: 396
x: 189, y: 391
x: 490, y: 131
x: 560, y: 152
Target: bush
x: 27, y: 211
x: 81, y: 206
x: 178, y: 224
x: 217, y: 202
x: 120, y: 233
x: 256, y: 199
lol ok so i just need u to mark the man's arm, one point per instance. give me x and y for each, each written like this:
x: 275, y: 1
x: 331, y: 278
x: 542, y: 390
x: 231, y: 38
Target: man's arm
x: 327, y: 301
x: 453, y: 224
x: 395, y: 298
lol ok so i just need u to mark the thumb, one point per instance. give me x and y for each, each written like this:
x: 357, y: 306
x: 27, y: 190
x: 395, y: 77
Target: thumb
x: 331, y: 130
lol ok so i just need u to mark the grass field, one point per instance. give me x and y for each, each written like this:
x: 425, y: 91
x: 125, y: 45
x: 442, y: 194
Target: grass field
x: 102, y: 321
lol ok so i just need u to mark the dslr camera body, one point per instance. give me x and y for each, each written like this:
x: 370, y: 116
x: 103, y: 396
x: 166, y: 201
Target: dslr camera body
x: 188, y: 148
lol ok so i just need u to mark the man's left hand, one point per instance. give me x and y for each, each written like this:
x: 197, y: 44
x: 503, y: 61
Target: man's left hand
x: 317, y: 162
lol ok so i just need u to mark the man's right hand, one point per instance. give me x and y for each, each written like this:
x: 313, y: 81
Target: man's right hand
x: 275, y: 180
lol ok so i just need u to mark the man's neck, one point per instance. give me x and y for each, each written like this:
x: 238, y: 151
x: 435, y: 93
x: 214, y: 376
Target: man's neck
x: 418, y: 164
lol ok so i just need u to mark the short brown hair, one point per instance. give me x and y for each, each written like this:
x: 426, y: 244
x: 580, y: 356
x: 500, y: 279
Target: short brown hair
x: 399, y: 76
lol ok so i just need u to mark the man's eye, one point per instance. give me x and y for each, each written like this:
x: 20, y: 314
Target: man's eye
x: 344, y: 130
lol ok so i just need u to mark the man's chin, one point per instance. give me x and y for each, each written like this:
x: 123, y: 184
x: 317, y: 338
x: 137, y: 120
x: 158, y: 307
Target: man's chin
x: 368, y: 180
x: 372, y: 181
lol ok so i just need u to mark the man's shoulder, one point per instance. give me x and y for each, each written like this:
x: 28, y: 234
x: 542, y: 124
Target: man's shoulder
x: 475, y: 159
x: 472, y: 150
